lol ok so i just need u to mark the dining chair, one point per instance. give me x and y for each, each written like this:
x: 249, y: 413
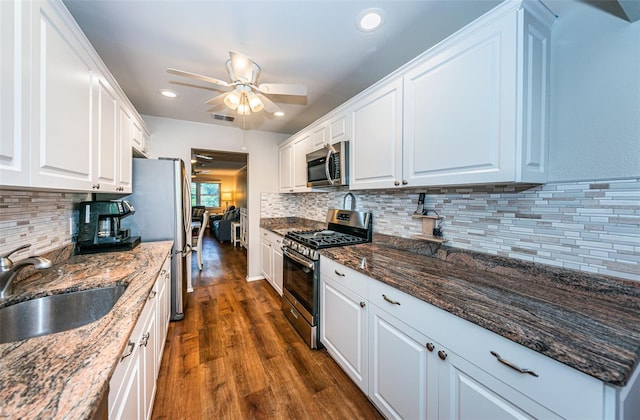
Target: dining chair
x: 198, y: 247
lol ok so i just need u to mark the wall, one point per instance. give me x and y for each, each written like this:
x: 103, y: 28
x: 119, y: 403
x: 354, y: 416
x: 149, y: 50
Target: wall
x: 595, y: 94
x: 175, y: 138
x: 37, y: 218
x: 241, y: 188
x: 588, y: 226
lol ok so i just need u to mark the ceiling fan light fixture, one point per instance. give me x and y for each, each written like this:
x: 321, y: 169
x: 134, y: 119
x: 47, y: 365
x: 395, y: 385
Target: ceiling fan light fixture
x: 232, y: 100
x: 370, y: 20
x: 255, y: 103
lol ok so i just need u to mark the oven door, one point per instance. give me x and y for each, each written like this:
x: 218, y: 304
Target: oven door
x: 299, y: 284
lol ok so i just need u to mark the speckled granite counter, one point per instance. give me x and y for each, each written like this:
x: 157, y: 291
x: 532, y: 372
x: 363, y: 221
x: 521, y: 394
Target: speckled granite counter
x: 282, y: 225
x: 588, y: 322
x: 66, y: 375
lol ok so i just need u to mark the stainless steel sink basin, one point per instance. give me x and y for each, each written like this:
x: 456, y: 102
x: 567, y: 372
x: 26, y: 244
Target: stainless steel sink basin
x: 50, y: 314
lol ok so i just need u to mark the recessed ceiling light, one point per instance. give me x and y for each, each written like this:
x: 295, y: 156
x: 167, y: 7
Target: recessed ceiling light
x: 279, y: 114
x: 168, y: 93
x: 370, y: 20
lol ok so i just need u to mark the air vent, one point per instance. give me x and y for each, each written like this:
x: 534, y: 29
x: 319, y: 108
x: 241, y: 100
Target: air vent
x: 221, y: 117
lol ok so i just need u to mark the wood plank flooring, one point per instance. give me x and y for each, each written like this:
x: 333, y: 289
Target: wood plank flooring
x: 235, y: 356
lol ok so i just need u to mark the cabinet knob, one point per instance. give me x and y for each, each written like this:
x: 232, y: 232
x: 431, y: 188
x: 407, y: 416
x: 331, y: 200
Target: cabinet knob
x: 96, y: 186
x: 396, y: 183
x: 363, y: 304
x: 442, y: 355
x: 404, y: 182
x: 430, y: 346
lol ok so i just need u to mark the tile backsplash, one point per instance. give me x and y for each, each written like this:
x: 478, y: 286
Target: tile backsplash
x: 588, y: 226
x: 38, y: 218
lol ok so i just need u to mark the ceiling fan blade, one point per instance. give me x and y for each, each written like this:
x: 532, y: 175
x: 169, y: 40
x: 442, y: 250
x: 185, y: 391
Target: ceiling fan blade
x: 198, y: 155
x: 242, y: 68
x: 283, y: 89
x: 269, y: 106
x: 198, y: 77
x: 216, y: 100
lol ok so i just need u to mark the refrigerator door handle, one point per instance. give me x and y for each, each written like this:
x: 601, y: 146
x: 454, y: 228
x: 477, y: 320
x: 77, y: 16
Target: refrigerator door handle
x: 185, y: 251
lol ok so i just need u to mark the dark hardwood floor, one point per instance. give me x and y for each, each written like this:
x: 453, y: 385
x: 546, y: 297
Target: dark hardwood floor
x: 235, y: 356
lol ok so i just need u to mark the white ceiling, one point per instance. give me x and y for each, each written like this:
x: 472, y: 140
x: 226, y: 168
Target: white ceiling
x: 313, y: 42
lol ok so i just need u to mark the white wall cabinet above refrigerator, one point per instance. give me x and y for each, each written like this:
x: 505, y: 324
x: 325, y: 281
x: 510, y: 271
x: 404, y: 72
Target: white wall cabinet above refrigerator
x: 471, y: 110
x: 62, y: 106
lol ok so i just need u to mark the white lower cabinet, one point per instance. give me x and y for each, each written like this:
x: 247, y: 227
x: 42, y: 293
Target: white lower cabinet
x: 343, y: 329
x: 271, y: 259
x: 132, y: 386
x: 423, y: 362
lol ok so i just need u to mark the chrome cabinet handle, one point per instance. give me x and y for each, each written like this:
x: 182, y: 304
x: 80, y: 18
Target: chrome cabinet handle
x: 404, y: 182
x: 363, y: 304
x: 131, y: 345
x: 391, y: 301
x: 338, y: 273
x: 512, y: 365
x: 152, y: 294
x: 96, y: 186
x: 442, y: 355
x: 396, y: 183
x: 145, y: 339
x: 430, y: 346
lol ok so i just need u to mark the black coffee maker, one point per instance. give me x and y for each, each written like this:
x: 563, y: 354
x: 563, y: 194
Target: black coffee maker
x: 99, y: 227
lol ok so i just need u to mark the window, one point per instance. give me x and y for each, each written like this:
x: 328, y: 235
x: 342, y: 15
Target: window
x: 205, y: 194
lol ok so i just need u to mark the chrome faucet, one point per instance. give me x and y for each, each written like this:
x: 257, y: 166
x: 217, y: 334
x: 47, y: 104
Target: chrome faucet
x: 9, y: 270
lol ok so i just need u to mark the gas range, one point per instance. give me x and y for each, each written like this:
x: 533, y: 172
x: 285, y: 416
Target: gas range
x: 345, y: 227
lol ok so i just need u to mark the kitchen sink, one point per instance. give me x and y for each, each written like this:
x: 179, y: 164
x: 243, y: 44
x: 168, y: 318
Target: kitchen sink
x: 51, y: 314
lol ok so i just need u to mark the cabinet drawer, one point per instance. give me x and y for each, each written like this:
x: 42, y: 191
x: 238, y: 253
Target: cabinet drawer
x: 406, y: 308
x: 344, y: 276
x: 560, y: 388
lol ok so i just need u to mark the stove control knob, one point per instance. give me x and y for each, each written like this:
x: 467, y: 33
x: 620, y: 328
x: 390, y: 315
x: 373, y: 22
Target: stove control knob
x: 286, y: 242
x: 305, y: 252
x: 315, y: 255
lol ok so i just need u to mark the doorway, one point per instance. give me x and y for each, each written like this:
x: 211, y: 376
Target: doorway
x: 219, y: 183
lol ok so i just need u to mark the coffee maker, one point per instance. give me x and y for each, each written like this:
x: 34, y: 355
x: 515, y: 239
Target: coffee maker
x: 99, y: 227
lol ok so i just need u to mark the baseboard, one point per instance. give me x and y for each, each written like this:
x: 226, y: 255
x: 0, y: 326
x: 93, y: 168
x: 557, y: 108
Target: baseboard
x: 254, y: 278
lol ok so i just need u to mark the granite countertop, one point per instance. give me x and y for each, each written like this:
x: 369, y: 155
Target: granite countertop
x: 66, y: 374
x: 589, y: 322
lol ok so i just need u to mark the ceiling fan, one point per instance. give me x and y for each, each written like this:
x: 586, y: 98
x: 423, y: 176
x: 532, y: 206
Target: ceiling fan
x: 246, y: 95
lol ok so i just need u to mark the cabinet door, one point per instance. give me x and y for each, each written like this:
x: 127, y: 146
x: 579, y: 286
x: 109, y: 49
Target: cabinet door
x: 340, y: 128
x: 319, y: 136
x: 460, y: 111
x: 403, y: 378
x: 126, y: 160
x: 301, y: 147
x: 62, y: 102
x: 14, y: 151
x: 267, y: 269
x: 466, y: 392
x: 343, y: 329
x: 376, y: 147
x: 147, y: 347
x: 285, y: 159
x: 107, y: 157
x: 277, y: 266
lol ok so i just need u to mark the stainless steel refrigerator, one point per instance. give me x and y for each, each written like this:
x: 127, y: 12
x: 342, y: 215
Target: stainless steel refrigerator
x: 162, y: 202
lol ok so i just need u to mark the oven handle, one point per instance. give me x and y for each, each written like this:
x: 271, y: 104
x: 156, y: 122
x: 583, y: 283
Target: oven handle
x: 300, y: 260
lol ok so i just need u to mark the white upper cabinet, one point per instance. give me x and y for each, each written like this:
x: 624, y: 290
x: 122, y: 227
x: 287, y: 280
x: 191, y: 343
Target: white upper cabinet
x: 471, y: 110
x: 60, y: 123
x: 376, y: 148
x: 14, y: 153
x: 319, y: 136
x: 475, y: 109
x: 293, y: 163
x: 301, y: 146
x: 340, y: 127
x: 285, y: 161
x: 63, y: 85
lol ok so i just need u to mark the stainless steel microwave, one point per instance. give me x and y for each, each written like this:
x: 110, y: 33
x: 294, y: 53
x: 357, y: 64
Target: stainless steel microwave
x: 329, y: 166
